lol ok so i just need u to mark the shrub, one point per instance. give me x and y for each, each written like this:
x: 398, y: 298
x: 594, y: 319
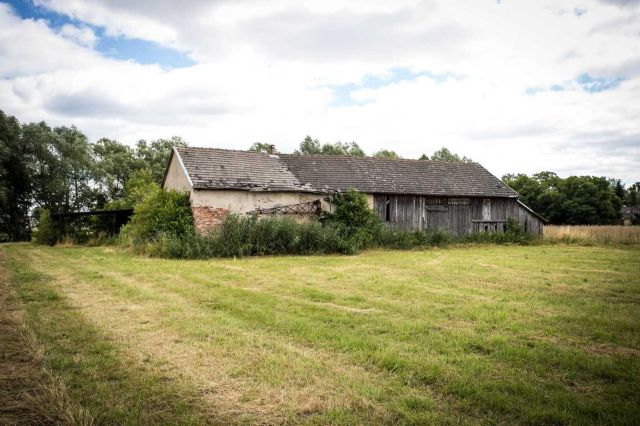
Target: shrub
x: 401, y: 239
x: 46, y: 233
x: 159, y: 213
x: 514, y: 233
x: 350, y: 228
x: 355, y: 222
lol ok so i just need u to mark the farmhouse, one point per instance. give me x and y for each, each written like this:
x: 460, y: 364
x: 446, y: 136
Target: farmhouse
x: 460, y: 198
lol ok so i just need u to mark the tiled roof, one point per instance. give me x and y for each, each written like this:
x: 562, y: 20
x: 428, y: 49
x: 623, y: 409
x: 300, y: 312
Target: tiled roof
x: 211, y: 168
x: 396, y: 176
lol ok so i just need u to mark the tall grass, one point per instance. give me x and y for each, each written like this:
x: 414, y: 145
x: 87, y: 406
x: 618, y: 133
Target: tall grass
x: 593, y: 234
x: 240, y: 236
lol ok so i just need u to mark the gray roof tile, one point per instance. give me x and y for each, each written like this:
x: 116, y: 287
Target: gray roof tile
x: 211, y: 168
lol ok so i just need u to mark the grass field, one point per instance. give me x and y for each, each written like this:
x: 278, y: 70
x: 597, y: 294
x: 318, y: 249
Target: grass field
x: 593, y: 234
x: 488, y: 334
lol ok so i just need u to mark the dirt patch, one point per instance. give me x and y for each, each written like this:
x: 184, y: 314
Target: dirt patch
x: 349, y: 308
x: 29, y: 394
x: 610, y: 349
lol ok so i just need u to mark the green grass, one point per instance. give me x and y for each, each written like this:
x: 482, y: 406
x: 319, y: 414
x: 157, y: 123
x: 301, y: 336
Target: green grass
x: 486, y: 334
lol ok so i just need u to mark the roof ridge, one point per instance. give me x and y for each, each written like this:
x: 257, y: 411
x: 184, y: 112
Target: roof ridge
x: 284, y: 154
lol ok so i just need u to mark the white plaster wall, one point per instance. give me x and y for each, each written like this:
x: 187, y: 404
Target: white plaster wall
x: 176, y: 178
x: 246, y: 201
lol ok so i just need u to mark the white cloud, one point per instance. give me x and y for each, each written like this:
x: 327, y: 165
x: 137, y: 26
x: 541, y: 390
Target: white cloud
x: 265, y: 70
x: 84, y: 36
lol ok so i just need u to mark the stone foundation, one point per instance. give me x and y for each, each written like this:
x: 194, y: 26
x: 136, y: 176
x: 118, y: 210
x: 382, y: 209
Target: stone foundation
x: 206, y: 218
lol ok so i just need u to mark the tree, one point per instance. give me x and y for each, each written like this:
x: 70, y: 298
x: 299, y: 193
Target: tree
x: 62, y: 170
x: 311, y: 146
x: 576, y: 200
x: 115, y: 165
x: 385, y: 153
x: 156, y: 154
x: 632, y: 197
x: 443, y: 154
x: 263, y: 147
x: 15, y: 182
x: 423, y: 157
x: 619, y: 189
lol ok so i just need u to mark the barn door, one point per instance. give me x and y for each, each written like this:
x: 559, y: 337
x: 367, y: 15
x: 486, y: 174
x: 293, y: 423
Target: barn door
x: 437, y: 217
x: 486, y: 209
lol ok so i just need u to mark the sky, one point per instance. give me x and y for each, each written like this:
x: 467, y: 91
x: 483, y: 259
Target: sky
x: 520, y: 86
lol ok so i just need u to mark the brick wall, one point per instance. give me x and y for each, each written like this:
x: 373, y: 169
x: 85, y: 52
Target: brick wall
x: 206, y: 218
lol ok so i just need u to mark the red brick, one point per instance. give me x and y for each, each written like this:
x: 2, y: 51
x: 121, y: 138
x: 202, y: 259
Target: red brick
x: 206, y: 218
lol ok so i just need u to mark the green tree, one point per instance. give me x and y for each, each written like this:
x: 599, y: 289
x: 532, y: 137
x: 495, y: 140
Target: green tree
x: 576, y: 200
x: 633, y: 196
x: 443, y: 154
x: 62, y: 169
x: 385, y: 153
x: 155, y: 154
x: 343, y: 148
x: 310, y: 146
x: 46, y: 232
x: 115, y: 164
x: 423, y: 157
x: 15, y: 182
x: 267, y: 148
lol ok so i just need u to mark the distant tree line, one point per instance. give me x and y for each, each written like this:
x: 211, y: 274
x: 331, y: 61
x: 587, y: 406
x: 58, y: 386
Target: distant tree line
x: 310, y: 146
x: 59, y: 170
x: 576, y: 200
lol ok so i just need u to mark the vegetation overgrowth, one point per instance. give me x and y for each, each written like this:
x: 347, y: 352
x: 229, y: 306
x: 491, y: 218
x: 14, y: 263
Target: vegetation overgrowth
x: 161, y: 226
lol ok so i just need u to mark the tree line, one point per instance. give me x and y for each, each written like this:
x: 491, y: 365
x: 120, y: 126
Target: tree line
x: 59, y: 170
x: 575, y: 200
x: 310, y: 146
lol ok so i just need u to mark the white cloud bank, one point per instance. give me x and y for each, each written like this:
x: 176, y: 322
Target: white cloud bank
x: 270, y: 71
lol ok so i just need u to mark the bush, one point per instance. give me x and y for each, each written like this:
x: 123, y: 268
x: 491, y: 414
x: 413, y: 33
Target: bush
x: 405, y: 240
x: 46, y: 233
x: 354, y: 221
x: 162, y: 226
x: 159, y: 213
x: 240, y: 236
x: 514, y: 233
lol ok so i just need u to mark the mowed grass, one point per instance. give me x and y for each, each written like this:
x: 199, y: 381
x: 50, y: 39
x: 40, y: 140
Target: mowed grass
x: 593, y: 234
x: 487, y: 334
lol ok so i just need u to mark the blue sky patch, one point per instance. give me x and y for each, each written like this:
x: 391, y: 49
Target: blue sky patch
x: 342, y: 92
x: 584, y: 81
x: 595, y: 85
x: 118, y: 47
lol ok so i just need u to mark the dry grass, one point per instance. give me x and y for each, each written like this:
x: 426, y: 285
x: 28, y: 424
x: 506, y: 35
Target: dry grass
x: 29, y: 393
x: 593, y: 234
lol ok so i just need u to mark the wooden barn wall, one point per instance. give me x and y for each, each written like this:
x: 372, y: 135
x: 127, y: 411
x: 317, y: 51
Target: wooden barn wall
x: 460, y: 216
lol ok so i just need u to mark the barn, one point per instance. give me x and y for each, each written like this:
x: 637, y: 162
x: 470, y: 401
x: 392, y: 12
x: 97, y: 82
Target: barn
x: 459, y: 198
